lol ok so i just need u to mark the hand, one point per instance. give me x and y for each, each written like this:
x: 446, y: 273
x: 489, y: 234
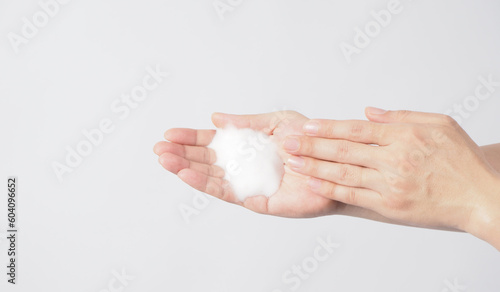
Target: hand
x: 187, y: 156
x: 416, y: 168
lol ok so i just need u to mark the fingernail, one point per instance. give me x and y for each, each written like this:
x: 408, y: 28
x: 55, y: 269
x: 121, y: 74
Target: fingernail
x: 376, y: 111
x: 291, y: 144
x: 314, y: 184
x: 296, y: 162
x: 311, y: 128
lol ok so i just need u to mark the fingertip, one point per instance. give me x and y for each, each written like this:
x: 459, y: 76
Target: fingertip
x: 375, y: 114
x: 168, y: 134
x: 162, y: 159
x: 155, y: 148
x: 183, y: 174
x: 369, y: 116
x: 172, y: 162
x: 159, y: 148
x: 367, y: 112
x: 375, y: 110
x: 214, y: 116
x: 218, y: 119
x: 189, y: 176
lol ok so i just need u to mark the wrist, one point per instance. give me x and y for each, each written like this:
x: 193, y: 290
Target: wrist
x: 484, y: 221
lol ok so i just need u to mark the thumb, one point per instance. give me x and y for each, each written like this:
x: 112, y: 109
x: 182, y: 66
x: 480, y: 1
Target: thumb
x: 261, y: 122
x: 404, y: 116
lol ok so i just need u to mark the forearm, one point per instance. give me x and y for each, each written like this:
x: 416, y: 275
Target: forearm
x: 494, y: 234
x: 487, y: 226
x: 492, y: 154
x: 484, y: 221
x: 354, y: 211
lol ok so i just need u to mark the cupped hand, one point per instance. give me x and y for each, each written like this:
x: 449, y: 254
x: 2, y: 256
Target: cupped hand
x: 415, y: 168
x: 186, y: 154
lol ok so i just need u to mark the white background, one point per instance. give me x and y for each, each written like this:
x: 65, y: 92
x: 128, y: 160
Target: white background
x: 119, y: 209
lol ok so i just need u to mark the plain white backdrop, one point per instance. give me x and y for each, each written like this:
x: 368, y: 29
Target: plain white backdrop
x: 118, y: 211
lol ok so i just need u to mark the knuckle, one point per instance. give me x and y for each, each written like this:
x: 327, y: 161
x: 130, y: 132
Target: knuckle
x: 343, y: 150
x: 400, y: 165
x: 212, y: 189
x: 327, y: 128
x: 287, y: 114
x: 398, y: 184
x: 405, y: 168
x: 344, y: 173
x: 351, y: 198
x: 402, y: 115
x: 440, y: 135
x: 399, y: 188
x: 417, y: 157
x: 212, y: 156
x: 332, y: 190
x: 392, y: 161
x: 397, y: 203
x: 448, y: 121
x: 313, y: 168
x: 305, y: 145
x: 395, y: 182
x: 412, y: 132
x: 356, y: 130
x: 207, y: 156
x: 428, y: 147
x: 218, y: 172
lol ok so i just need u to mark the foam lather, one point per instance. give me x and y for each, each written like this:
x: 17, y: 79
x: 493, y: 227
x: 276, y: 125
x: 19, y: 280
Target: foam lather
x: 250, y: 161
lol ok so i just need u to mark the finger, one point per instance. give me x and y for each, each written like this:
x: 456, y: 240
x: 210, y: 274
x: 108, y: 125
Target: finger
x: 261, y: 122
x: 193, y: 153
x: 174, y: 164
x: 190, y: 136
x: 352, y: 130
x: 342, y: 151
x: 405, y: 116
x: 214, y: 186
x: 360, y: 197
x: 344, y: 174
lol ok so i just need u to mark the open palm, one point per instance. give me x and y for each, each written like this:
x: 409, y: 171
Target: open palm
x: 186, y: 155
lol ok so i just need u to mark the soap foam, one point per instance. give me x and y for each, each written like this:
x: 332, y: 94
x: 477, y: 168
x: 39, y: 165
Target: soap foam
x: 250, y: 161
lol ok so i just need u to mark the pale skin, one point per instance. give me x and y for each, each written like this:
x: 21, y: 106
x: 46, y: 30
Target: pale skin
x: 410, y: 168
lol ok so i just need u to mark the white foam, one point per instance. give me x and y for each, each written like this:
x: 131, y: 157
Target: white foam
x: 250, y: 160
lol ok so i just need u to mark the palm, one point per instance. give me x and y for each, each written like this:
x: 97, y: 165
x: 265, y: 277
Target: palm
x: 187, y: 156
